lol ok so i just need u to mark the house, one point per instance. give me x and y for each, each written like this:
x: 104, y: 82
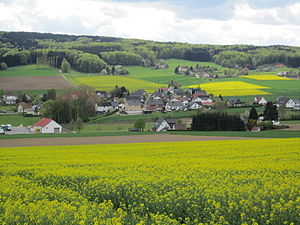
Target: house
x: 203, y: 99
x: 164, y: 124
x: 155, y: 105
x: 235, y: 102
x: 281, y: 101
x: 256, y: 129
x: 178, y: 92
x: 24, y: 107
x: 171, y: 106
x: 133, y: 106
x: 194, y: 106
x: 134, y: 98
x: 105, y: 107
x: 260, y: 100
x: 9, y: 98
x: 293, y: 104
x: 184, y: 100
x: 46, y: 125
x: 182, y: 69
x: 102, y: 94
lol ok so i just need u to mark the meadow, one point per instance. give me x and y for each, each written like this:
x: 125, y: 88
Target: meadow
x: 28, y: 70
x: 220, y: 182
x: 17, y: 119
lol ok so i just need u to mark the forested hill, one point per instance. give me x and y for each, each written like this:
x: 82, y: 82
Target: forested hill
x: 93, y: 53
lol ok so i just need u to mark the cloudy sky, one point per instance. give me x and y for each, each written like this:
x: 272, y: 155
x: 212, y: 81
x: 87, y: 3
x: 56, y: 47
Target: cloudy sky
x: 260, y: 22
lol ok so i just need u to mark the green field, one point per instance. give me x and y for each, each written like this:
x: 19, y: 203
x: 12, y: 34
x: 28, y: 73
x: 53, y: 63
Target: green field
x: 17, y: 120
x: 94, y: 128
x: 220, y: 182
x: 28, y: 70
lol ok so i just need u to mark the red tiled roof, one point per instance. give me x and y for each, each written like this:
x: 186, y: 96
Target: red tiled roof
x: 42, y: 122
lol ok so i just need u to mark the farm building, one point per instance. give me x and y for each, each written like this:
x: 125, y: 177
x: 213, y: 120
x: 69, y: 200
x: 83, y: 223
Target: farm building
x: 46, y: 126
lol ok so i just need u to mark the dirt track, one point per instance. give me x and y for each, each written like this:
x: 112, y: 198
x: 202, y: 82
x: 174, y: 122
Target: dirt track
x: 26, y: 142
x: 34, y: 83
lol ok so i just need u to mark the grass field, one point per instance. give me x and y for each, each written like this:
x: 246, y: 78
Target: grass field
x: 28, y: 70
x: 17, y: 120
x: 93, y: 128
x: 220, y: 182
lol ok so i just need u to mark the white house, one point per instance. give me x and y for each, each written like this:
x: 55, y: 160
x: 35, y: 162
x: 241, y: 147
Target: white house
x: 164, y: 124
x: 203, y: 99
x: 195, y: 106
x: 9, y: 99
x: 293, y: 104
x: 260, y: 100
x: 178, y: 106
x: 46, y: 126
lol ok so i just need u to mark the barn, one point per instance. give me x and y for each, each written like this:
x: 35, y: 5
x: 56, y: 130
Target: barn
x: 46, y: 126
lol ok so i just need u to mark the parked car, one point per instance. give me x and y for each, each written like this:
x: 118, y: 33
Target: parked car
x: 2, y: 131
x: 2, y: 111
x: 6, y: 127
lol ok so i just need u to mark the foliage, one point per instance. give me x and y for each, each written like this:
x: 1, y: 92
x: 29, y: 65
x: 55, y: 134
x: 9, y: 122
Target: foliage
x: 223, y: 182
x: 140, y: 124
x: 253, y: 114
x: 65, y: 66
x: 217, y: 121
x: 3, y: 66
x: 270, y: 112
x: 78, y: 124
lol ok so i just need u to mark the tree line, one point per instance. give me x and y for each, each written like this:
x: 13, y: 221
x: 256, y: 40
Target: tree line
x: 90, y: 53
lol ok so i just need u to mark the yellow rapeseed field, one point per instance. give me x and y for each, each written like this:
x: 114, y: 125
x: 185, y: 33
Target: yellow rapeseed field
x: 266, y: 77
x: 232, y: 88
x: 109, y: 82
x: 208, y: 182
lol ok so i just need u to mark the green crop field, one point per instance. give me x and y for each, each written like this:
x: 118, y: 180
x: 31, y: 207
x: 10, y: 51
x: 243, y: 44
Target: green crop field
x: 220, y: 182
x: 93, y: 128
x: 17, y: 120
x: 28, y: 70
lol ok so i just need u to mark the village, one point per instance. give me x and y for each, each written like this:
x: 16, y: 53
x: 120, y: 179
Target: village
x: 164, y: 100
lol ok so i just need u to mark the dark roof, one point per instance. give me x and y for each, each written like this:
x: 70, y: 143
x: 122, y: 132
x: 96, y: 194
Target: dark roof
x: 170, y: 121
x: 105, y: 104
x: 155, y: 102
x: 133, y: 97
x: 281, y: 100
x: 235, y: 101
x: 134, y: 102
x: 175, y: 104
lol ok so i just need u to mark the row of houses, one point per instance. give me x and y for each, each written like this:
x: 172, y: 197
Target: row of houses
x: 165, y: 99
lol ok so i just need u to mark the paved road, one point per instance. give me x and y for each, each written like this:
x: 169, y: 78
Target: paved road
x: 26, y: 142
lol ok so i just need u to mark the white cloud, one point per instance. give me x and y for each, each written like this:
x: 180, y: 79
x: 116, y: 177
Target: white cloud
x: 154, y: 21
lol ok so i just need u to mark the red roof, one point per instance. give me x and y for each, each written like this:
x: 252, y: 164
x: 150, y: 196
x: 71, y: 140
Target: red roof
x: 42, y: 122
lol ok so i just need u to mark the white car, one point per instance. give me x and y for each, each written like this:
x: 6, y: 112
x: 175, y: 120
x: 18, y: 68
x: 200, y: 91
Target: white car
x: 2, y: 131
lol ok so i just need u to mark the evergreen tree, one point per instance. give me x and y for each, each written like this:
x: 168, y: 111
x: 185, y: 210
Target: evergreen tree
x: 253, y: 114
x: 113, y: 70
x: 176, y: 70
x: 270, y: 112
x: 51, y: 94
x: 65, y: 66
x: 220, y: 96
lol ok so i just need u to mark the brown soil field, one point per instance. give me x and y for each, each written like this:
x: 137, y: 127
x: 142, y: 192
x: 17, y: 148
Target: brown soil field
x: 34, y: 83
x: 27, y: 142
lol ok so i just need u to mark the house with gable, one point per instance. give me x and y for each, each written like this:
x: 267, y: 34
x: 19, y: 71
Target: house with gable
x: 259, y: 100
x: 155, y: 105
x: 46, y: 126
x: 164, y: 125
x: 174, y: 106
x: 293, y: 103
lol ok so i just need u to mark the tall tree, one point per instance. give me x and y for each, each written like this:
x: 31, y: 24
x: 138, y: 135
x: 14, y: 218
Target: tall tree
x: 51, y: 94
x: 140, y: 124
x: 270, y: 112
x: 65, y: 66
x: 253, y: 114
x: 79, y: 124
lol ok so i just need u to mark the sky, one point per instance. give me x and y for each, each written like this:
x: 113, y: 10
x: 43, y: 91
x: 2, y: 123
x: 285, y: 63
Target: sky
x: 257, y: 22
